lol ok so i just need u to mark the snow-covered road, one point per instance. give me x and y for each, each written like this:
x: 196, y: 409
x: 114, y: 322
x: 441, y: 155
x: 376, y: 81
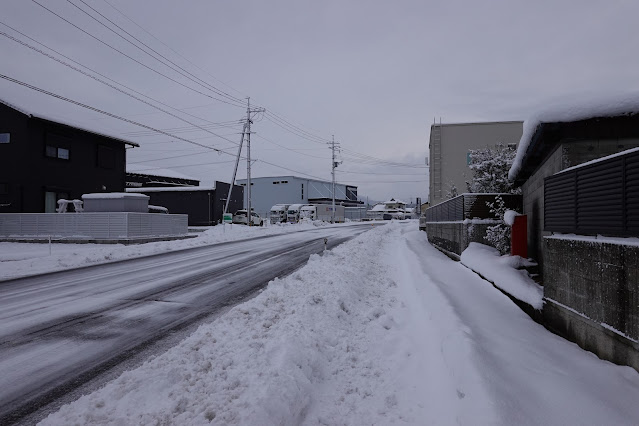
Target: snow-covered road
x: 383, y: 329
x: 61, y: 330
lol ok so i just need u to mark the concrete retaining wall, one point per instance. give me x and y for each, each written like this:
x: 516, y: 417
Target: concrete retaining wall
x: 455, y: 237
x: 592, y: 296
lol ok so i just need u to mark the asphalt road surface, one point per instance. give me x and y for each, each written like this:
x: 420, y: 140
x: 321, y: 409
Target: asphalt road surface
x: 61, y: 330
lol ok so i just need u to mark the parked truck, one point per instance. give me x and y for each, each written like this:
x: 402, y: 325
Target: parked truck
x: 308, y: 213
x: 278, y: 213
x: 325, y: 212
x: 293, y: 215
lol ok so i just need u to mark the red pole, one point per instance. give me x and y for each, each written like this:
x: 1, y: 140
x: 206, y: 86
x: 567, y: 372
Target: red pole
x: 519, y: 237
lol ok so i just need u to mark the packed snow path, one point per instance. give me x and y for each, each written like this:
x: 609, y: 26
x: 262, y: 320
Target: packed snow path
x: 383, y: 329
x: 60, y: 330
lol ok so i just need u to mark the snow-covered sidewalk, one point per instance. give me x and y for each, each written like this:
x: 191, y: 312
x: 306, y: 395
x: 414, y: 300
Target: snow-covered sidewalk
x: 383, y: 329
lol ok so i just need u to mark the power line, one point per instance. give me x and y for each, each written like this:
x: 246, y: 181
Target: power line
x: 287, y: 148
x: 242, y: 95
x: 111, y: 85
x: 379, y: 174
x: 182, y: 71
x: 96, y: 72
x: 130, y: 57
x: 117, y: 117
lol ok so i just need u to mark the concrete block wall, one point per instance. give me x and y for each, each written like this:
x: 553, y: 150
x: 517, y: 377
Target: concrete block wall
x: 590, y: 289
x: 455, y: 237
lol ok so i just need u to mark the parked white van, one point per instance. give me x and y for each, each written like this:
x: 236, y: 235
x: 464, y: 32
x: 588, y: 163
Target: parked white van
x: 293, y: 215
x: 278, y: 213
x: 308, y: 212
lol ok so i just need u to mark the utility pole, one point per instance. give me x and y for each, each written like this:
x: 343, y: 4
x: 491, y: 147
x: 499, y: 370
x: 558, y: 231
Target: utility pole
x: 248, y: 162
x: 334, y: 165
x: 246, y: 131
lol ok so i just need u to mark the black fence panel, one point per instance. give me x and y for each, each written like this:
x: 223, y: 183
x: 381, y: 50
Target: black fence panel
x: 599, y: 198
x: 470, y: 206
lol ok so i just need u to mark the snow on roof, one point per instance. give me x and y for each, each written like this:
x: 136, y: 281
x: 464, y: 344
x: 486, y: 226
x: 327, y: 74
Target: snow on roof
x: 171, y: 189
x: 156, y: 171
x: 66, y: 122
x: 10, y: 105
x: 111, y: 196
x: 572, y: 110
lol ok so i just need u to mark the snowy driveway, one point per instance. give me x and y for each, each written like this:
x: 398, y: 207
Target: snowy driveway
x: 60, y: 330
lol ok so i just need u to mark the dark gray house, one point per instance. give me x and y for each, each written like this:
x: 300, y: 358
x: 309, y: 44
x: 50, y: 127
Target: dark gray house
x: 42, y: 160
x: 555, y: 146
x: 580, y: 182
x: 204, y: 205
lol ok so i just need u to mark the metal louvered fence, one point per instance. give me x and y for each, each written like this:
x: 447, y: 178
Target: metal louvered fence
x: 470, y: 206
x: 601, y: 198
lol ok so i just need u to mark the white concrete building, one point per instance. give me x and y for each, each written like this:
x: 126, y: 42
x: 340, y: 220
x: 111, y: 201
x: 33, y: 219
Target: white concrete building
x: 268, y: 191
x: 449, y: 150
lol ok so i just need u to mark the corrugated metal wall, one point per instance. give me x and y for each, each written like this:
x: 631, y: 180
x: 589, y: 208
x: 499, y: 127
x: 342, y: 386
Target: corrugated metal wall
x: 600, y: 198
x: 109, y: 225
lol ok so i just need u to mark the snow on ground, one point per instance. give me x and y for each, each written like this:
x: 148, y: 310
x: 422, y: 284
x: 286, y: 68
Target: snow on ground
x: 504, y: 273
x: 383, y: 329
x: 20, y: 259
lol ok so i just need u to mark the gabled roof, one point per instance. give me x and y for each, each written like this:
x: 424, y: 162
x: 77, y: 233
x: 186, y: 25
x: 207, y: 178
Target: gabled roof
x: 45, y: 118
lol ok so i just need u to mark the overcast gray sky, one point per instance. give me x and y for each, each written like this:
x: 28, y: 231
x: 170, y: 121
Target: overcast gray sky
x: 373, y: 73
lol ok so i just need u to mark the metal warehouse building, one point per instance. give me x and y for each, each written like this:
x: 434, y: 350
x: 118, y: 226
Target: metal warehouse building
x: 268, y: 191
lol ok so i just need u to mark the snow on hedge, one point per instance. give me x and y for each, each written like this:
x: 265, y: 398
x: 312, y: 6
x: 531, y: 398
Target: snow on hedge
x: 573, y: 109
x: 503, y: 272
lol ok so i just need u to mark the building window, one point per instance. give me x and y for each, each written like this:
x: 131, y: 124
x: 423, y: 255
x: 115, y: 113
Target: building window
x: 276, y: 182
x: 284, y: 181
x: 4, y: 188
x: 55, y: 152
x: 5, y: 137
x: 302, y: 191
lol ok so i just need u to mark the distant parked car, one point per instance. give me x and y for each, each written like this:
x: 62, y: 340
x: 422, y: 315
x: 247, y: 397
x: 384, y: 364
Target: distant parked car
x: 240, y: 217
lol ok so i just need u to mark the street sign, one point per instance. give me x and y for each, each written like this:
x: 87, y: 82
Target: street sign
x: 228, y: 218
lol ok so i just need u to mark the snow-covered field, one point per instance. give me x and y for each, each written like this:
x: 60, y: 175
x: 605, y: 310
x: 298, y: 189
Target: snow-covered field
x: 383, y: 329
x: 20, y: 259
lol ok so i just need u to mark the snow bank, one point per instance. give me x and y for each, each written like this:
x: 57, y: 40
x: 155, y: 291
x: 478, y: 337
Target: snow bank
x: 306, y: 350
x: 21, y: 259
x: 503, y: 272
x: 573, y: 110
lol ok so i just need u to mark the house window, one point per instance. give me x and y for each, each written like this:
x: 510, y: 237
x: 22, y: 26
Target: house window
x: 5, y: 137
x: 55, y: 152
